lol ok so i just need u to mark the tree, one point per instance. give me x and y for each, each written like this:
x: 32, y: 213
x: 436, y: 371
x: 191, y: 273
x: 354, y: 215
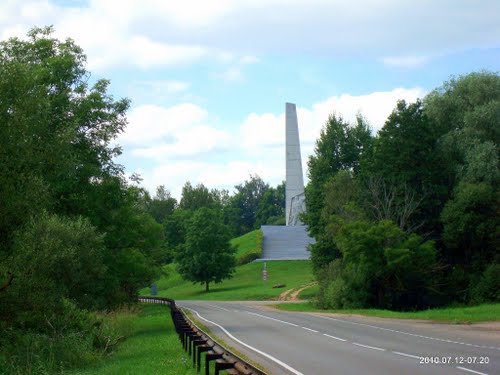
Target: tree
x: 207, y: 255
x: 405, y: 175
x: 380, y: 267
x: 54, y: 258
x: 271, y: 207
x: 467, y: 109
x: 246, y: 200
x: 197, y: 197
x: 162, y: 204
x: 340, y: 146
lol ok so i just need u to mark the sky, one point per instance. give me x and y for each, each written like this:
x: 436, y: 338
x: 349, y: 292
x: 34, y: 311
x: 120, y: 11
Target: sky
x: 209, y: 79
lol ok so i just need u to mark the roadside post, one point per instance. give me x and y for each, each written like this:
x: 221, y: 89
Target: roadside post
x: 154, y: 290
x: 264, y: 273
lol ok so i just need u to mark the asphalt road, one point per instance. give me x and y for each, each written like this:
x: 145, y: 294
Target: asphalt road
x: 314, y: 344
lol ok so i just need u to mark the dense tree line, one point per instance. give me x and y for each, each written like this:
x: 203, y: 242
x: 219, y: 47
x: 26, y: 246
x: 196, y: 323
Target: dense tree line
x: 408, y: 218
x: 75, y: 235
x: 197, y: 229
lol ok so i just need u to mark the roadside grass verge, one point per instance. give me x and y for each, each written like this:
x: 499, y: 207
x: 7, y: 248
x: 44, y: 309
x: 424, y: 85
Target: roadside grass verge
x: 246, y: 285
x: 152, y: 348
x: 309, y: 293
x: 458, y: 315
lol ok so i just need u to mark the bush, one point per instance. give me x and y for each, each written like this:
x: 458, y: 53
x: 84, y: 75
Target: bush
x: 487, y: 288
x: 248, y: 257
x: 66, y: 341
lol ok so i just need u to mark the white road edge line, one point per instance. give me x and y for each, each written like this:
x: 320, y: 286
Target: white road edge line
x: 369, y: 347
x: 333, y: 337
x: 218, y: 307
x: 309, y: 329
x: 407, y: 355
x: 276, y: 320
x: 289, y: 368
x: 474, y: 372
x: 406, y: 333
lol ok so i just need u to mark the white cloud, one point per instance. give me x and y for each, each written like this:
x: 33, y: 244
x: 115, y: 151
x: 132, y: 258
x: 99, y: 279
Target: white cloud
x: 152, y: 123
x: 155, y: 32
x: 267, y: 130
x: 406, y: 61
x: 193, y: 149
x: 187, y: 142
x: 246, y: 60
x: 232, y: 74
x: 166, y: 134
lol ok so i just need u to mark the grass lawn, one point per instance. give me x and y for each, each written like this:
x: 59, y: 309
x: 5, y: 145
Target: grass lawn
x: 309, y: 293
x: 246, y: 285
x: 469, y: 314
x: 250, y: 242
x: 153, y: 348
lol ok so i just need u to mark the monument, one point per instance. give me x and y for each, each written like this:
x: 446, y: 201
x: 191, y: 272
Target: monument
x: 289, y: 242
x: 295, y: 198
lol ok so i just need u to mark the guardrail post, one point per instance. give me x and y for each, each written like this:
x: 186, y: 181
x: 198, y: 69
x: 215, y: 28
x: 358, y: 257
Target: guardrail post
x: 196, y: 343
x: 210, y: 357
x: 222, y: 366
x: 201, y: 349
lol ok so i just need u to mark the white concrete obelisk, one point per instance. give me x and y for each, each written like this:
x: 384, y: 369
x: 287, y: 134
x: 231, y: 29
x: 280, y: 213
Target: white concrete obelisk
x: 295, y: 199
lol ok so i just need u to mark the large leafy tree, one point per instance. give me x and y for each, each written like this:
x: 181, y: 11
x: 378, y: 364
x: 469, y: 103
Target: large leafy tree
x: 162, y: 204
x: 207, y: 255
x: 195, y: 197
x: 340, y: 146
x: 56, y: 155
x: 404, y: 175
x: 246, y: 201
x: 271, y: 207
x: 468, y: 109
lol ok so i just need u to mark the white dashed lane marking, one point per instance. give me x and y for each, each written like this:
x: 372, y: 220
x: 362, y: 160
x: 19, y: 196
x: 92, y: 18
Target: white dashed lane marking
x: 410, y: 334
x: 369, y: 347
x: 472, y: 371
x: 407, y: 355
x: 309, y: 329
x: 333, y: 337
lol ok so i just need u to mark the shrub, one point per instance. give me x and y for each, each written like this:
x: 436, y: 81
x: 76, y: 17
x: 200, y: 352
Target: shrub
x: 487, y: 288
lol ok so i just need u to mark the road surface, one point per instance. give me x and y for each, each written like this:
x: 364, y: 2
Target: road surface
x: 317, y: 343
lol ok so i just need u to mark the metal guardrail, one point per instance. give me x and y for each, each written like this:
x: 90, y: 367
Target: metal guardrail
x: 195, y: 341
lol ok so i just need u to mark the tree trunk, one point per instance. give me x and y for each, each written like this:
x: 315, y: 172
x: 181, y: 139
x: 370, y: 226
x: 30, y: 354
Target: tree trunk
x: 206, y: 286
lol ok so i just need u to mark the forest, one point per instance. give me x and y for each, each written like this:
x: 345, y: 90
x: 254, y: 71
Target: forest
x: 404, y: 219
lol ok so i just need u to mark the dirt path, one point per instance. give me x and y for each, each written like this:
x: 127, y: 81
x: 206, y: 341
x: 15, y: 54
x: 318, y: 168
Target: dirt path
x: 293, y: 294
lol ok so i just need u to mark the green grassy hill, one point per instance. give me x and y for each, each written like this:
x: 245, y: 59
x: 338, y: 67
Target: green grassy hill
x: 248, y: 246
x: 247, y: 283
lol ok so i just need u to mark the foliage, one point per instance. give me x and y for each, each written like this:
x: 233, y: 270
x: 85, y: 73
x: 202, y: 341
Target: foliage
x: 340, y: 146
x: 246, y: 201
x: 271, y: 207
x: 432, y: 172
x: 73, y: 233
x: 194, y: 198
x: 471, y: 224
x: 162, y: 205
x: 487, y: 288
x: 381, y: 266
x: 404, y: 174
x: 207, y: 255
